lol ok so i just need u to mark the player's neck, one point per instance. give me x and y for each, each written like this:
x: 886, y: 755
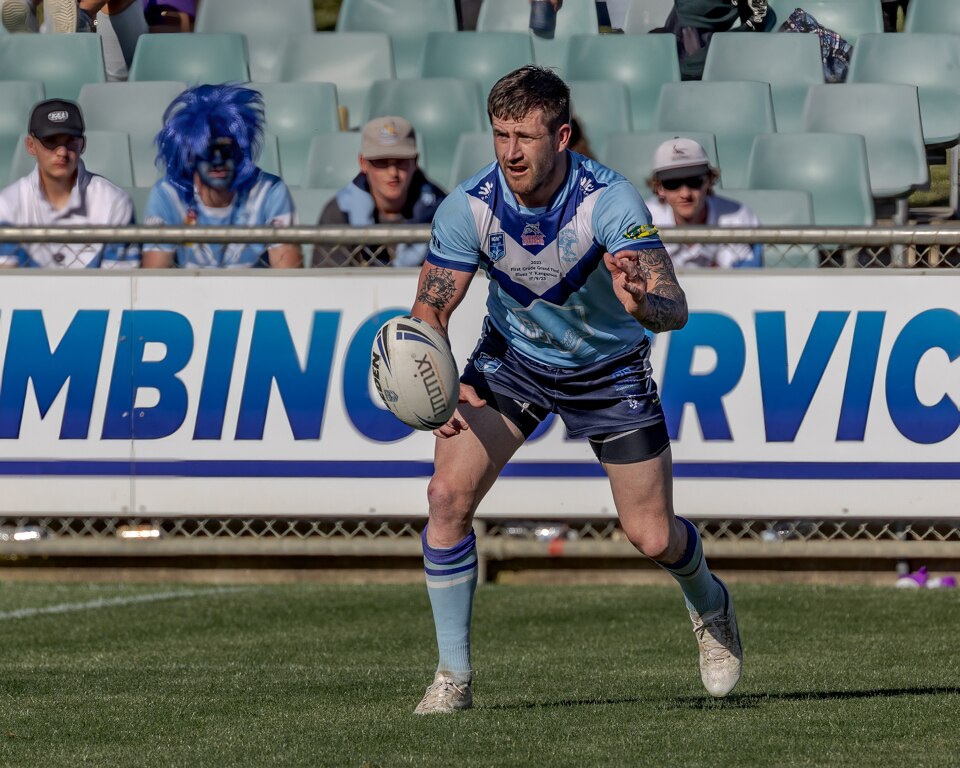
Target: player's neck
x: 214, y: 198
x: 57, y: 191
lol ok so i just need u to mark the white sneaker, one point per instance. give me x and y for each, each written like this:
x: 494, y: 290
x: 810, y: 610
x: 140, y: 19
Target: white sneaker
x: 18, y: 16
x: 721, y: 655
x: 445, y: 696
x: 62, y: 14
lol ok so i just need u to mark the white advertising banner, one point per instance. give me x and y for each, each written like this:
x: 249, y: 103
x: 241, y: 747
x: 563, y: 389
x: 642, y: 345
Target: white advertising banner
x: 787, y: 395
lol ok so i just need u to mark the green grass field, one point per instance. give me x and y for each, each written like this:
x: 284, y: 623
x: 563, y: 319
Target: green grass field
x: 319, y: 675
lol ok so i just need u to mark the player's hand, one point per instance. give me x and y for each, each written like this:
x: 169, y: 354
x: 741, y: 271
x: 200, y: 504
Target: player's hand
x: 629, y: 281
x: 457, y: 423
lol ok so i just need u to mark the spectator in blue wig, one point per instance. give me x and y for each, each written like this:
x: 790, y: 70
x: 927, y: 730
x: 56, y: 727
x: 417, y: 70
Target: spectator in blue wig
x: 210, y: 137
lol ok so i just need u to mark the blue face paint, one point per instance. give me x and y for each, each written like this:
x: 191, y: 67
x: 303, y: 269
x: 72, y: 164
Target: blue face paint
x: 218, y: 165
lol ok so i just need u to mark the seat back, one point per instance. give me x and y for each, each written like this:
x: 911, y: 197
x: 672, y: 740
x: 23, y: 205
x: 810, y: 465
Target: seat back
x: 440, y: 109
x: 106, y: 153
x: 350, y: 60
x: 832, y: 167
x: 331, y: 160
x: 191, y: 57
x: 644, y: 15
x: 481, y: 56
x: 62, y: 62
x: 474, y: 151
x: 295, y: 113
x: 135, y: 108
x: 269, y: 158
x: 18, y: 98
x: 888, y: 117
x: 631, y: 154
x: 780, y: 208
x: 933, y: 16
x: 406, y: 21
x: 930, y: 61
x: 642, y: 63
x: 789, y: 62
x: 735, y: 112
x: 601, y: 107
x: 139, y: 197
x: 850, y: 18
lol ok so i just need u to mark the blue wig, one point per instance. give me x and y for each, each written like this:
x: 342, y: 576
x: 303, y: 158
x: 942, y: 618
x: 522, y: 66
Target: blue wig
x: 201, y: 114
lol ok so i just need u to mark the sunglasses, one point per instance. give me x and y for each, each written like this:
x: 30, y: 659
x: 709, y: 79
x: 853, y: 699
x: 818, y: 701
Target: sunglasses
x: 52, y: 143
x: 690, y: 182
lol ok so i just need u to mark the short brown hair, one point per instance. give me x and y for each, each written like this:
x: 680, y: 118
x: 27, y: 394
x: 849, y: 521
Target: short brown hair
x: 527, y: 89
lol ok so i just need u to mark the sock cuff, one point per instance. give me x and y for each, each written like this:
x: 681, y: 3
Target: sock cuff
x: 693, y: 540
x: 441, y: 556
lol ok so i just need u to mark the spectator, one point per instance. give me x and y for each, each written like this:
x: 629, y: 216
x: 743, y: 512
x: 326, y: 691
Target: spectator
x: 890, y: 8
x: 682, y: 181
x: 60, y: 192
x: 390, y: 188
x: 119, y: 23
x: 211, y: 134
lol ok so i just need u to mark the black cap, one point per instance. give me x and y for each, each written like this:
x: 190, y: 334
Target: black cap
x: 56, y: 116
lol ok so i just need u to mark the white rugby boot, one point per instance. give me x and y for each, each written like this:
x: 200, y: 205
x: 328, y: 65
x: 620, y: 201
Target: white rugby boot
x: 445, y: 696
x: 61, y: 15
x: 19, y: 16
x: 721, y: 654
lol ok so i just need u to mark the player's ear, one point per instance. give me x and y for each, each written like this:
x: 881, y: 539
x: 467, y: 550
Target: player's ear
x: 31, y: 144
x: 564, y: 132
x: 83, y: 145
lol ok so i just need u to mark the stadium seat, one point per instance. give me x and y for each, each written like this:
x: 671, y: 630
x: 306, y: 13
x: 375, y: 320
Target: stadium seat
x: 601, y: 107
x: 309, y: 203
x: 933, y: 16
x: 780, y: 208
x: 295, y: 113
x: 632, y: 153
x: 644, y: 15
x: 139, y: 196
x: 331, y: 160
x: 107, y: 153
x: 269, y: 158
x: 62, y: 62
x: 350, y: 60
x: 18, y: 98
x: 265, y: 25
x: 832, y: 167
x: 474, y: 151
x: 888, y: 117
x: 406, y: 21
x: 789, y: 62
x: 136, y: 109
x: 440, y: 109
x: 929, y: 61
x: 481, y: 56
x: 642, y: 63
x: 191, y: 57
x: 735, y: 112
x: 851, y: 18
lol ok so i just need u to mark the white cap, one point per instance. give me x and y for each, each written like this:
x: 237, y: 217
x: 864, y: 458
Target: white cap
x: 679, y: 157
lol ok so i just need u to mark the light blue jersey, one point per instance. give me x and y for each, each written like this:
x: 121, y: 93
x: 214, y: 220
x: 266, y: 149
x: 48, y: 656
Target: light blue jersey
x: 265, y: 203
x: 551, y: 295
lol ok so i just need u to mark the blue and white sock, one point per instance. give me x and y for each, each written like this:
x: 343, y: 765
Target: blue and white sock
x: 451, y: 581
x: 701, y: 591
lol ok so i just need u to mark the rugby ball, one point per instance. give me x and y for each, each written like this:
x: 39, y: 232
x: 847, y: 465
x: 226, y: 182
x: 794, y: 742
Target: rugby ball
x: 415, y: 373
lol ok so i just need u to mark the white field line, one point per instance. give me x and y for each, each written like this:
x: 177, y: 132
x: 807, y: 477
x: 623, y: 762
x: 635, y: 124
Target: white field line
x: 110, y: 602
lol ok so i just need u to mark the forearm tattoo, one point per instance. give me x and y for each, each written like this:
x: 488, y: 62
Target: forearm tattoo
x: 666, y: 304
x: 437, y: 288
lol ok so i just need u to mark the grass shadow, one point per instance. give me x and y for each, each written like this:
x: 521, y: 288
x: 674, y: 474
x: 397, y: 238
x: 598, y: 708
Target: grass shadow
x: 751, y: 700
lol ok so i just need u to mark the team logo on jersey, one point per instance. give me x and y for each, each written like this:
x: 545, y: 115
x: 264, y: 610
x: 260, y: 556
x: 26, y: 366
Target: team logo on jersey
x: 640, y: 232
x: 532, y: 235
x: 497, y: 247
x: 487, y: 364
x: 486, y: 189
x: 586, y: 185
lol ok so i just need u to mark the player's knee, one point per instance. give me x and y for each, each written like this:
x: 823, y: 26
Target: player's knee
x: 655, y: 544
x: 448, y: 502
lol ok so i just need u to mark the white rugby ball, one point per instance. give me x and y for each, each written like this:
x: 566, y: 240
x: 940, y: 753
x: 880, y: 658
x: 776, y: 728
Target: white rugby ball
x: 415, y: 373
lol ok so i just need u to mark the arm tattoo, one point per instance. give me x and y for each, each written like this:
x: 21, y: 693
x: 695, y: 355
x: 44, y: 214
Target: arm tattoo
x: 437, y: 288
x: 666, y: 304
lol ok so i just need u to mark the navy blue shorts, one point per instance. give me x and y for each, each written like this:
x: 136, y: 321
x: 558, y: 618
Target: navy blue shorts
x: 611, y: 397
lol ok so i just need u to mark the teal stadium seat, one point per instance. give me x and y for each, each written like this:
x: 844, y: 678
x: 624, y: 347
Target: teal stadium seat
x: 191, y: 57
x: 642, y: 63
x: 265, y: 25
x: 295, y: 113
x: 62, y: 62
x: 440, y: 109
x: 332, y: 160
x: 888, y: 117
x: 735, y: 112
x: 780, y: 208
x: 352, y: 61
x: 929, y: 61
x: 18, y: 98
x: 644, y: 15
x: 851, y: 18
x: 269, y: 158
x: 406, y: 21
x: 791, y: 63
x: 631, y: 154
x: 474, y: 151
x: 309, y: 204
x: 481, y: 56
x: 107, y: 153
x: 133, y: 108
x: 832, y: 167
x: 933, y: 16
x: 511, y: 16
x: 139, y: 196
x: 601, y: 107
